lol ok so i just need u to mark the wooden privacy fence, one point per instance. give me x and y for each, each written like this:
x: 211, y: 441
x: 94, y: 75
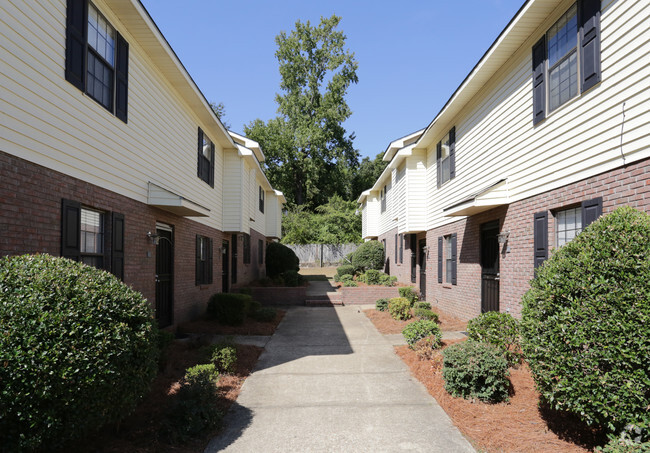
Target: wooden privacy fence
x: 322, y: 255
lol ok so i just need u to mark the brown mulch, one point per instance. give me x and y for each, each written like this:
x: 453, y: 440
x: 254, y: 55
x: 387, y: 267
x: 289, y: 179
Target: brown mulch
x: 250, y: 327
x: 385, y: 324
x: 516, y: 426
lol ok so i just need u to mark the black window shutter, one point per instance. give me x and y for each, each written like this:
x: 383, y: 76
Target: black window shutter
x: 198, y: 272
x: 122, y: 78
x: 452, y: 153
x: 117, y: 246
x: 539, y: 85
x: 439, y: 163
x: 71, y: 230
x: 589, y: 13
x: 440, y: 259
x: 540, y: 238
x: 591, y: 210
x: 209, y: 266
x: 454, y: 261
x: 212, y: 165
x: 401, y: 248
x: 200, y: 159
x: 75, y: 42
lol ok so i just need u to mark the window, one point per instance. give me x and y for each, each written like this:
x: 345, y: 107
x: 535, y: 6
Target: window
x: 247, y: 249
x: 97, y: 57
x: 568, y: 224
x: 401, y: 248
x: 383, y: 198
x: 84, y: 237
x: 261, y: 199
x: 203, y: 260
x: 260, y: 251
x: 567, y: 57
x: 446, y: 157
x: 447, y: 259
x: 205, y: 159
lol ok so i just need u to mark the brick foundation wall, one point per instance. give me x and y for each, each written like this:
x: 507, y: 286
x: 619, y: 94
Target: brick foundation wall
x: 393, y: 266
x: 30, y: 222
x: 629, y: 185
x: 366, y: 294
x: 248, y: 272
x: 280, y: 295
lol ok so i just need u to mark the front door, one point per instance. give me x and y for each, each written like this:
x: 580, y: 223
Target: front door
x: 412, y: 242
x: 423, y: 268
x: 225, y: 257
x: 164, y: 278
x: 490, y: 267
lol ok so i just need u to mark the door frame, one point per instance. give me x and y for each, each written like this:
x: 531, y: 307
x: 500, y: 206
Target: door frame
x: 490, y: 279
x: 163, y: 230
x: 422, y: 258
x: 225, y: 266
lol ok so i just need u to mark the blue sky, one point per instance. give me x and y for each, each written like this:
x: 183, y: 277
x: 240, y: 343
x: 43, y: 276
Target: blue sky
x: 412, y: 55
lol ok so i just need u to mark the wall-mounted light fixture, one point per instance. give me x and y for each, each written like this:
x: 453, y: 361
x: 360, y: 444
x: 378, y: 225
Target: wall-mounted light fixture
x: 224, y: 250
x: 503, y: 237
x: 155, y: 238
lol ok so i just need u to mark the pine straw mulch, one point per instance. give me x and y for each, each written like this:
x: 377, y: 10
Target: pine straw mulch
x: 516, y: 426
x: 385, y: 324
x: 205, y: 325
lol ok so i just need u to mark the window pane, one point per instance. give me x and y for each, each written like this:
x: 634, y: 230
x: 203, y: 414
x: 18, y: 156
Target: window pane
x: 207, y: 146
x: 569, y: 224
x: 448, y: 269
x: 100, y: 81
x: 445, y: 146
x: 92, y: 231
x: 563, y: 81
x: 446, y: 170
x: 101, y: 35
x: 563, y: 36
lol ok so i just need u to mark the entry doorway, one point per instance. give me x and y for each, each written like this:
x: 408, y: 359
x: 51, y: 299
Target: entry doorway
x: 414, y: 256
x: 490, y: 267
x: 422, y: 251
x: 225, y: 258
x: 164, y: 276
x: 233, y: 271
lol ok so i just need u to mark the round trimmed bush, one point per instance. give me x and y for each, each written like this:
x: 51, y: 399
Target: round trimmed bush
x: 499, y: 329
x: 476, y: 370
x: 586, y: 323
x: 78, y: 350
x: 229, y: 308
x: 279, y: 259
x: 344, y: 269
x: 292, y: 278
x: 399, y: 308
x: 369, y: 255
x: 420, y: 329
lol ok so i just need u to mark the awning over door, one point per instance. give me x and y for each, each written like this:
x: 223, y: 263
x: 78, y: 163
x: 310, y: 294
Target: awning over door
x: 176, y: 204
x: 488, y: 198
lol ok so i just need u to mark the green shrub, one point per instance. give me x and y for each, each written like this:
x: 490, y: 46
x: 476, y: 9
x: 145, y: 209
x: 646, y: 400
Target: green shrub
x: 194, y: 407
x: 372, y: 277
x: 224, y: 357
x: 78, y: 349
x: 292, y: 278
x: 350, y: 283
x: 409, y: 293
x: 499, y: 329
x: 423, y: 304
x: 424, y: 313
x: 399, y: 308
x: 253, y: 306
x: 387, y: 280
x: 427, y: 347
x: 632, y: 439
x: 381, y: 305
x: 229, y: 308
x: 420, y: 329
x: 476, y: 370
x: 345, y: 269
x: 279, y: 259
x: 369, y: 255
x: 586, y: 323
x: 264, y: 314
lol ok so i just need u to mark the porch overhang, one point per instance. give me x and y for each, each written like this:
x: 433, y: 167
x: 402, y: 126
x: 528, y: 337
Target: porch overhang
x: 169, y: 201
x: 488, y: 198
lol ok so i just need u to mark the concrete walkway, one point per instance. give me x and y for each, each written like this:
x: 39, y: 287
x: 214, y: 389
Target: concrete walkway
x: 329, y: 382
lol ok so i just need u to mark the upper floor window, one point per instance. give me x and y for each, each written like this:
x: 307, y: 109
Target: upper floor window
x: 382, y: 195
x: 97, y: 57
x: 205, y: 159
x: 261, y: 199
x: 446, y: 157
x: 567, y: 58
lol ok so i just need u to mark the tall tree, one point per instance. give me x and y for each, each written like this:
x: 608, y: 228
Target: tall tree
x: 219, y: 109
x: 309, y: 154
x: 367, y: 174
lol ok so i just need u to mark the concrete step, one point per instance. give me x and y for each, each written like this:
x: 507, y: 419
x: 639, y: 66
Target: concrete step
x: 323, y: 301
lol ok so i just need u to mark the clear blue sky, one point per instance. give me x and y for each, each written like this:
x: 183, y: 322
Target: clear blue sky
x: 412, y: 55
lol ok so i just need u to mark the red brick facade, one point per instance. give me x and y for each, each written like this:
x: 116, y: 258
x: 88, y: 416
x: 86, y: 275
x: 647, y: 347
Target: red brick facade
x: 628, y: 185
x: 30, y: 222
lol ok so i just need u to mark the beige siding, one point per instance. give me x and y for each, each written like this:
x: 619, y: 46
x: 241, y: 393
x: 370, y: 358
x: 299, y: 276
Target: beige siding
x: 495, y: 137
x: 233, y: 179
x: 415, y: 193
x: 398, y: 197
x: 273, y: 213
x: 48, y: 121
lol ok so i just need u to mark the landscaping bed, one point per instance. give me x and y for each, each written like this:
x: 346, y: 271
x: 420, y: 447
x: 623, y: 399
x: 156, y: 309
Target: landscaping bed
x: 518, y: 425
x: 385, y: 324
x: 204, y: 325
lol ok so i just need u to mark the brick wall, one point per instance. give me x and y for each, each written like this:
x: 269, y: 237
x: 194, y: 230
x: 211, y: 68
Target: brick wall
x: 629, y: 185
x: 248, y: 272
x: 280, y: 295
x: 393, y: 266
x: 366, y: 294
x: 30, y: 222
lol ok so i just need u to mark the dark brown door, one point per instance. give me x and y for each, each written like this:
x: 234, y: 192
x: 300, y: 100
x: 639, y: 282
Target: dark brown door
x: 489, y: 267
x: 164, y: 278
x: 234, y: 259
x: 414, y: 256
x: 224, y: 266
x: 423, y: 268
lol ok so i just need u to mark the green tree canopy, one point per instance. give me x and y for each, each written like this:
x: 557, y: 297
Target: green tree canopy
x: 309, y: 155
x: 367, y: 174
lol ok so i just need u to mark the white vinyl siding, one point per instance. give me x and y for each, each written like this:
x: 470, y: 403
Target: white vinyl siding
x: 48, y: 121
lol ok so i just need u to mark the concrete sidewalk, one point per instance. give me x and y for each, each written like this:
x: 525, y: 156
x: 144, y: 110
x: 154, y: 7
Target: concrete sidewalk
x: 329, y: 382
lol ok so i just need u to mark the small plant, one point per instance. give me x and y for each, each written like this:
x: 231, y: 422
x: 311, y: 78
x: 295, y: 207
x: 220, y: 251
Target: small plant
x: 427, y: 347
x: 292, y: 278
x: 201, y: 373
x: 348, y: 280
x: 498, y: 329
x: 423, y: 304
x: 345, y: 269
x: 476, y: 370
x: 424, y: 313
x: 387, y: 280
x: 420, y: 329
x: 253, y: 306
x: 224, y: 357
x: 409, y: 293
x: 399, y: 308
x: 264, y: 314
x: 229, y: 308
x: 369, y: 255
x: 372, y: 277
x: 381, y: 305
